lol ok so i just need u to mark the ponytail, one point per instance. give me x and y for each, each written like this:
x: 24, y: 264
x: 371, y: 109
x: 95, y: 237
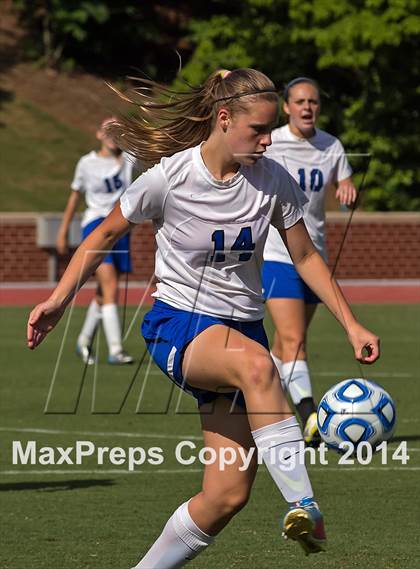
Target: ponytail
x: 166, y: 121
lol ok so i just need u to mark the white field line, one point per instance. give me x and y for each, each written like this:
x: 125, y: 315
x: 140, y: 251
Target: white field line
x: 371, y: 375
x: 101, y: 433
x: 409, y: 449
x: 125, y: 434
x: 200, y: 470
x: 98, y: 471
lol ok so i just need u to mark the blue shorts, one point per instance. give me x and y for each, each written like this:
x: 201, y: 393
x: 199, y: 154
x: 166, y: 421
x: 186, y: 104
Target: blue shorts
x: 120, y: 254
x: 168, y: 331
x: 281, y: 280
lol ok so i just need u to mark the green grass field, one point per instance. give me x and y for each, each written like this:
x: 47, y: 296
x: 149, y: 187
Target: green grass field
x: 101, y: 517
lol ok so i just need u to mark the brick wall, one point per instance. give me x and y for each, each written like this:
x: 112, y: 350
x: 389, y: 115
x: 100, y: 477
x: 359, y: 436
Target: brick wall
x: 142, y: 253
x: 378, y: 246
x: 20, y: 258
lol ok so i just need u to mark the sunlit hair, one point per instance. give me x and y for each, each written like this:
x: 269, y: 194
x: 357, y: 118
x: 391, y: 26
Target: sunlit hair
x: 166, y: 121
x: 107, y: 121
x: 298, y: 81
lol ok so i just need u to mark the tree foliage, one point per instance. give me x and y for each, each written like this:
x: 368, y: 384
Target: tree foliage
x: 376, y: 44
x: 55, y: 23
x: 364, y: 53
x: 106, y: 36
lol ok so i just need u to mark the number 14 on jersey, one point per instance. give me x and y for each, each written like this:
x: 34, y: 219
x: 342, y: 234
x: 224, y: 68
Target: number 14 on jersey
x: 243, y: 242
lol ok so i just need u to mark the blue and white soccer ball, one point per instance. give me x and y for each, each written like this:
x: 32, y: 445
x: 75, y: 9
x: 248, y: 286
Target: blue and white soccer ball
x: 355, y: 411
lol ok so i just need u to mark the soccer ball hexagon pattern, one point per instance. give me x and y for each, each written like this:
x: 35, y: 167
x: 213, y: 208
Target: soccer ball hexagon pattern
x: 356, y: 410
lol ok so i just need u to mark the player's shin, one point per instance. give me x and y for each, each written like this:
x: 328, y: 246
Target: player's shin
x: 282, y: 449
x: 180, y: 541
x: 112, y: 328
x: 278, y: 363
x: 297, y: 380
x: 90, y: 324
x: 296, y: 376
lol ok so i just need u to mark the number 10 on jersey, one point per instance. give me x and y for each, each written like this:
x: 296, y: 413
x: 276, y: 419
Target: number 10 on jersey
x: 316, y: 179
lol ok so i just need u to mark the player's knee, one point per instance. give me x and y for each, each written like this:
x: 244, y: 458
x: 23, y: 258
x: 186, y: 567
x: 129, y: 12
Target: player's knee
x: 110, y: 291
x: 290, y: 343
x: 257, y: 371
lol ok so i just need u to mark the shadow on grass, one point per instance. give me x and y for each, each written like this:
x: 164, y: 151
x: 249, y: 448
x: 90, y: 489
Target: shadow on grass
x: 405, y: 438
x: 55, y: 486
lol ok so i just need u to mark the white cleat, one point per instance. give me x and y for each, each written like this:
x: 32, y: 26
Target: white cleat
x: 122, y: 358
x: 86, y: 354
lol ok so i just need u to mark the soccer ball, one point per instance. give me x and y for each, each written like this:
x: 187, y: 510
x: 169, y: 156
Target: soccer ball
x: 356, y: 411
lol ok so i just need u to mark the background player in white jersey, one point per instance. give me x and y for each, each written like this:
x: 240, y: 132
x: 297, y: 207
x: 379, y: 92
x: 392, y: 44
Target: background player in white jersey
x: 212, y: 205
x: 102, y: 176
x: 318, y: 163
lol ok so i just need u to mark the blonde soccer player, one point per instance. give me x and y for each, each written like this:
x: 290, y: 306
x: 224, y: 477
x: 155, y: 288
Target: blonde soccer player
x: 101, y: 176
x: 318, y: 163
x: 212, y: 202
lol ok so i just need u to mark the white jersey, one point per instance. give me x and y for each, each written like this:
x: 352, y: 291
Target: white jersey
x: 210, y: 233
x: 314, y: 163
x: 102, y: 180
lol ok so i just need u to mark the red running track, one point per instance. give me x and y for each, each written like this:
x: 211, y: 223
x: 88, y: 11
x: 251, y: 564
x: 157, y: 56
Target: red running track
x: 367, y: 293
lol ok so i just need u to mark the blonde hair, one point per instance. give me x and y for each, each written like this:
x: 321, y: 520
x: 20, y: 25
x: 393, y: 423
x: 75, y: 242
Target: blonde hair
x: 166, y: 121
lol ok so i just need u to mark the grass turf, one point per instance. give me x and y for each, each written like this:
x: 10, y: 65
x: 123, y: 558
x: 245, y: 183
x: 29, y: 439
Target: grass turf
x: 104, y: 518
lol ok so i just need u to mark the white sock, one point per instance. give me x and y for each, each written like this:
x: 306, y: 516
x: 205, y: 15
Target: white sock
x: 278, y: 363
x: 180, y: 541
x: 281, y: 446
x: 111, y: 324
x: 297, y: 380
x: 92, y: 318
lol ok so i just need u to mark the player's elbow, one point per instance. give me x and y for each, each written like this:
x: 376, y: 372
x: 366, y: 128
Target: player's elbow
x: 101, y: 239
x: 109, y: 237
x: 302, y: 256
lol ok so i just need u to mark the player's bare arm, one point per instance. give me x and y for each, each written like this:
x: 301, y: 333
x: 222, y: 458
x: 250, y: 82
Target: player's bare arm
x: 71, y: 208
x: 314, y: 271
x: 86, y: 259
